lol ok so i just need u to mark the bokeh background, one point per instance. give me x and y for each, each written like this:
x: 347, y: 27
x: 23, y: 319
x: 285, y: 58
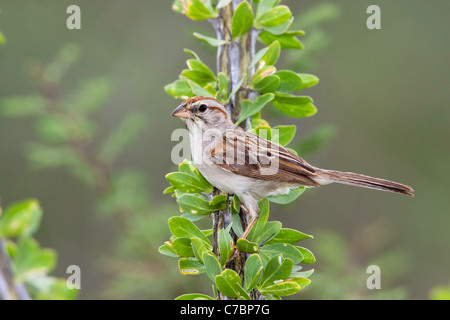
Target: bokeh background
x: 383, y: 97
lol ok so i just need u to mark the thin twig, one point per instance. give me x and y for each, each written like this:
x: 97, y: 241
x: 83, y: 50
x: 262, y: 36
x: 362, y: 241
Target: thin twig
x: 9, y: 289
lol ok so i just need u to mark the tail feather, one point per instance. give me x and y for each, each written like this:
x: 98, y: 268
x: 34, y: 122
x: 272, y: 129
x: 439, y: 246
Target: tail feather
x: 359, y: 180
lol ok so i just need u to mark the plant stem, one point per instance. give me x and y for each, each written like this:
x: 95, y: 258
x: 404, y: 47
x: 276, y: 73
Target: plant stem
x: 233, y: 59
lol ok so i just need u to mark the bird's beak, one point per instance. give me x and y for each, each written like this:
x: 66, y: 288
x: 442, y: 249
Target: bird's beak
x: 181, y: 112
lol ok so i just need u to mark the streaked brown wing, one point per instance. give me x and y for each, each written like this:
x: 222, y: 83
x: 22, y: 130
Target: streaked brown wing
x: 244, y: 153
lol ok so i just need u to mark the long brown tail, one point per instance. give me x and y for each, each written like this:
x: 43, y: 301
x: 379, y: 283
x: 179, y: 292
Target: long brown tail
x: 359, y: 180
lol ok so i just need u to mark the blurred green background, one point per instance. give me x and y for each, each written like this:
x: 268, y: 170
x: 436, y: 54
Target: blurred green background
x: 385, y: 92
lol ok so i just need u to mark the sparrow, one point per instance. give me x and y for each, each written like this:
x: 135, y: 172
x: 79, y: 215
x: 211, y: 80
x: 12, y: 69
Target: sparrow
x: 239, y: 162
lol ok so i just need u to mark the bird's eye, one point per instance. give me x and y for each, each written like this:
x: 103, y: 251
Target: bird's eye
x: 202, y: 108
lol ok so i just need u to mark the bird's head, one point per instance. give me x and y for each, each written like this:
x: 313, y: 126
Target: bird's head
x: 203, y: 110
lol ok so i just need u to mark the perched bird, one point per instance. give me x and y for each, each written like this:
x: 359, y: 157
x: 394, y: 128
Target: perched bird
x: 239, y: 162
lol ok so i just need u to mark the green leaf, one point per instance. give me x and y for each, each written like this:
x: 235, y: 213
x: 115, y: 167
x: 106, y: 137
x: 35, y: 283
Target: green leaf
x: 168, y: 190
x: 289, y: 197
x: 190, y: 168
x: 302, y: 274
x: 284, y: 288
x: 267, y: 84
x: 308, y: 80
x: 183, y: 228
x: 262, y: 73
x: 288, y: 40
x: 236, y: 203
x: 190, y: 266
x: 200, y: 9
x: 199, y: 72
x: 302, y: 282
x: 249, y: 108
x: 274, y: 17
x: 212, y: 265
x: 229, y: 283
x: 182, y: 247
x: 272, y: 54
x: 219, y: 200
x: 22, y: 106
x: 53, y: 128
x: 294, y: 106
x: 236, y: 224
x: 283, y: 134
x: 290, y: 81
x: 198, y: 77
x: 290, y: 236
x: 223, y: 88
x: 211, y: 89
x: 263, y: 131
x: 194, y: 296
x: 261, y: 222
x: 187, y: 182
x: 196, y: 204
x: 308, y: 256
x: 225, y: 246
x: 246, y: 246
x: 21, y: 219
x: 258, y: 122
x: 198, y: 65
x: 264, y: 6
x: 208, y: 232
x: 252, y: 272
x: 278, y: 268
x: 287, y: 250
x: 289, y: 99
x: 192, y: 54
x: 271, y: 229
x: 179, y: 89
x: 31, y: 261
x: 2, y: 38
x: 281, y: 28
x: 167, y: 250
x: 210, y: 40
x: 198, y: 90
x: 198, y: 248
x: 242, y: 20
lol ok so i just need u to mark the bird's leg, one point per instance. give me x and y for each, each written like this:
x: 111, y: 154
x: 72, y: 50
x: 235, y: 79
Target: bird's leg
x: 246, y: 211
x: 249, y: 228
x: 250, y: 225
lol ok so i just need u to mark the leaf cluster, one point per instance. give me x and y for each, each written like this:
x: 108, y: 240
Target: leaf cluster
x: 31, y: 264
x: 273, y: 266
